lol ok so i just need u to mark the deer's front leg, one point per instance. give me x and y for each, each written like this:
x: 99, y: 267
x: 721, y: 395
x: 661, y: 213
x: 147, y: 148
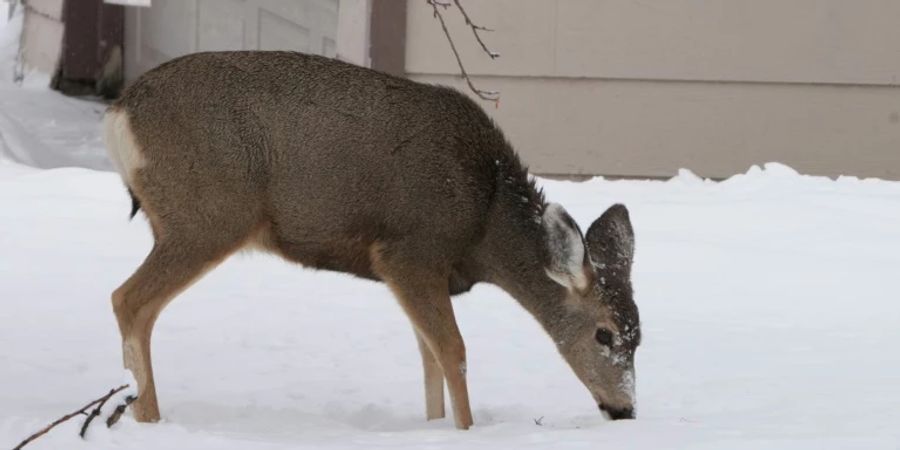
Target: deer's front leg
x: 425, y: 299
x: 434, y: 382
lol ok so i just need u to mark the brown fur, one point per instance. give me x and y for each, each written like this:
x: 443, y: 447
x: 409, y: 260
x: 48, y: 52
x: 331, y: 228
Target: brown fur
x: 341, y: 168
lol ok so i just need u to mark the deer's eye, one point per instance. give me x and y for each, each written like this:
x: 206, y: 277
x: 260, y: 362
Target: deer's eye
x: 604, y: 337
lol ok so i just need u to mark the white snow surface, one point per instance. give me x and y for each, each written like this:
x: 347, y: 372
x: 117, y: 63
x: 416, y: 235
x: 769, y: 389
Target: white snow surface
x: 769, y: 305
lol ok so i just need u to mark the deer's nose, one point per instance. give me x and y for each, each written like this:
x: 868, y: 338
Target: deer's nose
x: 618, y: 413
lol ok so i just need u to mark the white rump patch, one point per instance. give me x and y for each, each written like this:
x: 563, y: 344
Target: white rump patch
x: 120, y: 144
x: 566, y: 247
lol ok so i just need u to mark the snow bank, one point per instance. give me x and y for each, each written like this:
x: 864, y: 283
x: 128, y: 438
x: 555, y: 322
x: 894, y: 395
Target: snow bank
x: 43, y: 128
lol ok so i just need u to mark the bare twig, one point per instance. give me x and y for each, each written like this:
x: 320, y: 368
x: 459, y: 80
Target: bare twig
x: 62, y: 419
x: 96, y: 411
x: 475, y: 30
x: 491, y: 96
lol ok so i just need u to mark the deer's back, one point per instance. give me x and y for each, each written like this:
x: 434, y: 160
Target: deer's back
x: 333, y: 159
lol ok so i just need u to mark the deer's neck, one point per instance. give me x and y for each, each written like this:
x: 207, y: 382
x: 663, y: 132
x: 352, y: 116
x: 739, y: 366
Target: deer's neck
x: 513, y: 254
x: 527, y: 282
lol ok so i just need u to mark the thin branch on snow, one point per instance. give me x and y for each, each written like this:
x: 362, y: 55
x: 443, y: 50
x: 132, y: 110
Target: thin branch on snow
x: 79, y: 412
x: 96, y: 411
x: 491, y: 96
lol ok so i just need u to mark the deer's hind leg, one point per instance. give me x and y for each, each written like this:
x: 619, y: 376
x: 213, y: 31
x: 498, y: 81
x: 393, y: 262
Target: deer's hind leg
x: 176, y: 261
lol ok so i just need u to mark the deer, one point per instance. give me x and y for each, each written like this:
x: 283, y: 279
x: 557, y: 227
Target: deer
x: 338, y: 167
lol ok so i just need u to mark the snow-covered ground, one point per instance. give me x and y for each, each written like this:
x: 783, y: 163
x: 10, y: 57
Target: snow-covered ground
x: 43, y: 128
x: 769, y: 303
x: 770, y: 306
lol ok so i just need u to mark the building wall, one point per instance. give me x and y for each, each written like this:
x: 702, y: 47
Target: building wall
x: 642, y: 88
x: 42, y: 35
x: 171, y: 28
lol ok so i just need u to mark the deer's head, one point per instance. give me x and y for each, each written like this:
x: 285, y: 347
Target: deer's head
x: 600, y: 329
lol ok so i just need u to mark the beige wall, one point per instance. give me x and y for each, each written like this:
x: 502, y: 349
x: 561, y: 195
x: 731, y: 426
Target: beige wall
x: 641, y: 88
x: 171, y: 28
x: 353, y: 31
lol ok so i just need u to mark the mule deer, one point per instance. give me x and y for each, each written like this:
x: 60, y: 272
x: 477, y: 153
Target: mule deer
x: 339, y: 167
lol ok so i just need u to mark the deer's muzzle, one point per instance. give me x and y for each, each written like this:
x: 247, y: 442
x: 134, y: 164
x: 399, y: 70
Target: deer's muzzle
x: 618, y: 413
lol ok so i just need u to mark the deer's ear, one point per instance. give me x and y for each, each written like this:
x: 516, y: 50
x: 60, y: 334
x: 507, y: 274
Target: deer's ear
x: 567, y: 256
x: 610, y: 240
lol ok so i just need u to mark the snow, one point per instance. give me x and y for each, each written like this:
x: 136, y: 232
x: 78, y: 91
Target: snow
x: 769, y: 305
x: 43, y: 128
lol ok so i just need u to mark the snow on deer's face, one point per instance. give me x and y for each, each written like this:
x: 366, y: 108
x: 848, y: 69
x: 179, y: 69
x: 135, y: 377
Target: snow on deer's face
x: 601, y: 332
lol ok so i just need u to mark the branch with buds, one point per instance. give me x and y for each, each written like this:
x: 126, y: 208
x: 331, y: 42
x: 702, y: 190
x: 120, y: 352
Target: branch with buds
x: 98, y: 408
x: 437, y: 5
